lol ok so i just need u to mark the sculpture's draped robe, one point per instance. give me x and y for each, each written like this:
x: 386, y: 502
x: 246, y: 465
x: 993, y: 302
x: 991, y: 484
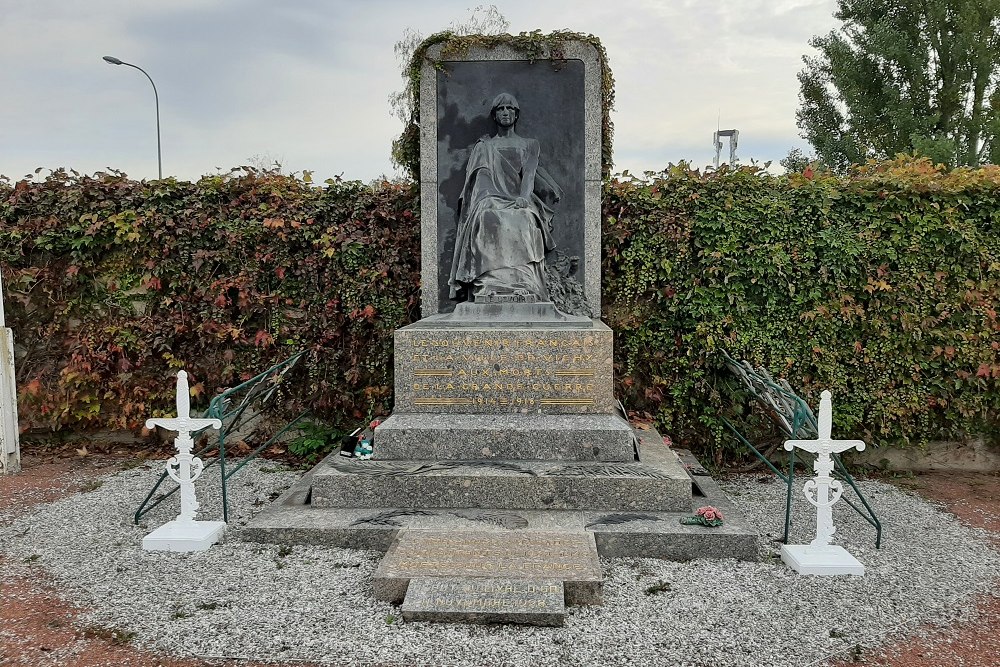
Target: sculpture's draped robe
x: 499, y: 247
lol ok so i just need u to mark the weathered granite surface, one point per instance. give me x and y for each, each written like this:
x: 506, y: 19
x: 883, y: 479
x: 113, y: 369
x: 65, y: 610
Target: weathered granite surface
x: 663, y: 486
x: 493, y: 437
x: 567, y: 557
x: 292, y: 519
x: 498, y: 370
x: 485, y: 600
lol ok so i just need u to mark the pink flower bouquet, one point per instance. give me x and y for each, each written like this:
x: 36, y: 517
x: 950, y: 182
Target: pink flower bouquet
x: 705, y: 516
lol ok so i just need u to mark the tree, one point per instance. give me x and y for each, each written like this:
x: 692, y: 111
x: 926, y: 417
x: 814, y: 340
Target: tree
x: 795, y: 162
x: 905, y: 76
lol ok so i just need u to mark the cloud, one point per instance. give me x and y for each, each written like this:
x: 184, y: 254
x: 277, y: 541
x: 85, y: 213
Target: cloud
x: 308, y: 81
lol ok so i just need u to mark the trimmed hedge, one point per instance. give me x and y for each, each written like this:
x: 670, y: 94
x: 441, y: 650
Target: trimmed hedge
x: 112, y: 285
x: 881, y: 286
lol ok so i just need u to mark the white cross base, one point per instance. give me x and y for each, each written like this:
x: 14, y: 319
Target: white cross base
x: 184, y: 533
x: 828, y: 561
x: 188, y: 536
x: 819, y: 556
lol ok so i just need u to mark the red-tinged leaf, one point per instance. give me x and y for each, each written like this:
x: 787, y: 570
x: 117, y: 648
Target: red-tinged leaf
x: 72, y: 270
x: 280, y: 272
x: 263, y: 339
x: 983, y: 371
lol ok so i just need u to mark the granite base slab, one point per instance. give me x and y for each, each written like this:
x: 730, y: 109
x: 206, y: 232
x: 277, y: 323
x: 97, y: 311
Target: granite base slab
x: 663, y: 486
x: 618, y: 532
x: 483, y: 600
x: 527, y: 315
x: 531, y: 555
x: 537, y: 436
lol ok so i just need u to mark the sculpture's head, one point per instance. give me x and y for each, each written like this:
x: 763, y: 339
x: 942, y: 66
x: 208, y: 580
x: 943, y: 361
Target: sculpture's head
x: 506, y: 110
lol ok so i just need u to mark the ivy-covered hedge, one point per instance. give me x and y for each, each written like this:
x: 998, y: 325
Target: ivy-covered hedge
x: 882, y: 286
x: 112, y: 285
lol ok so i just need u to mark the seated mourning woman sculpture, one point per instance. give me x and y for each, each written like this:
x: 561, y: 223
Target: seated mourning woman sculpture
x: 504, y: 216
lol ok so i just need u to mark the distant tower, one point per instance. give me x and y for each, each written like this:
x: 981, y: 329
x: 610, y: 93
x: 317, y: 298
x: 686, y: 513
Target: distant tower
x: 734, y: 138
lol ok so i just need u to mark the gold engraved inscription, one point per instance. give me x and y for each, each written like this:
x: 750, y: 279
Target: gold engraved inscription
x: 532, y: 342
x: 509, y: 372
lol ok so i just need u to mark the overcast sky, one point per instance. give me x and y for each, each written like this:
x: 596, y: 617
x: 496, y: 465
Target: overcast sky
x: 306, y: 82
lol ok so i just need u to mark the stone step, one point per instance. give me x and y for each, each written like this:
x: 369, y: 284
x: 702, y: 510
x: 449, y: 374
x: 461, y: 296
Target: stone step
x: 485, y: 600
x: 617, y: 534
x: 659, y: 486
x: 529, y: 556
x: 292, y: 519
x: 491, y: 437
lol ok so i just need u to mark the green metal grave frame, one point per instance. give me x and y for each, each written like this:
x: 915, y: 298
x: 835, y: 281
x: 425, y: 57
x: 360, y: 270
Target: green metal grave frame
x: 793, y: 416
x: 259, y: 393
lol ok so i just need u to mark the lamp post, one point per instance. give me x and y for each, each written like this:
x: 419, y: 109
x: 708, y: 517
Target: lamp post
x: 159, y: 158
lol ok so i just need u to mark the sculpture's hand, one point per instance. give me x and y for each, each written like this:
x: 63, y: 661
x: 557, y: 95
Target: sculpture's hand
x: 521, y: 202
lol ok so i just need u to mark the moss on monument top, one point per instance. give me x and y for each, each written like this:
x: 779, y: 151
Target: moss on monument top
x: 534, y: 45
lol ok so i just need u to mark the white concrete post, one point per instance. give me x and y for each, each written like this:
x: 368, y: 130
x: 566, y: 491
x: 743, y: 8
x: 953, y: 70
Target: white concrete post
x: 184, y: 533
x: 819, y: 556
x: 10, y: 445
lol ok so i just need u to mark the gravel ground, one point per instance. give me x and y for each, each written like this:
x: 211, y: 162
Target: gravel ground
x: 242, y: 600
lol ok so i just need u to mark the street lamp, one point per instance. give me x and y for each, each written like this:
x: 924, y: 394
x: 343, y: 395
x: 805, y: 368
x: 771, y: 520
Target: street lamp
x: 159, y: 159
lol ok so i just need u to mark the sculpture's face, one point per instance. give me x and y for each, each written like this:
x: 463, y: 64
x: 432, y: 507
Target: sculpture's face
x: 505, y: 115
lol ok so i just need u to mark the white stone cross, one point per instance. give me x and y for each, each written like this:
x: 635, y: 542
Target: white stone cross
x: 10, y: 446
x: 184, y: 533
x: 819, y: 556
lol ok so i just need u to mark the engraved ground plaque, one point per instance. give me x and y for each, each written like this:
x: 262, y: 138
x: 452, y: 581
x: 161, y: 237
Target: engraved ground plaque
x: 567, y: 557
x: 485, y: 600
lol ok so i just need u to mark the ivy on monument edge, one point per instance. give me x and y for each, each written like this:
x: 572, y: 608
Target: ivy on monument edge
x: 534, y: 45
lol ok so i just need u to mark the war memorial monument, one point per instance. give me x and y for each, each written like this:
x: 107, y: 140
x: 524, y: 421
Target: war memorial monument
x: 507, y: 466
